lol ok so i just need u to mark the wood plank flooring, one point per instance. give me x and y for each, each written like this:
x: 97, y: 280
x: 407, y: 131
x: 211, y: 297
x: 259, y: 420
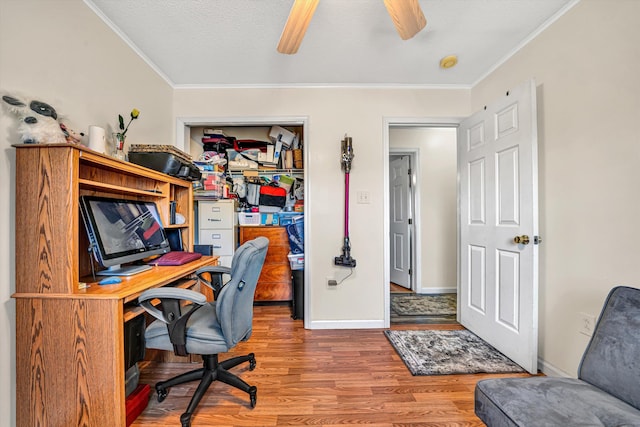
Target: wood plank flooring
x: 399, y: 289
x: 321, y: 378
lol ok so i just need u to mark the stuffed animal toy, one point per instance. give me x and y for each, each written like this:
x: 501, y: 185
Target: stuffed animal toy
x: 71, y: 135
x: 37, y: 121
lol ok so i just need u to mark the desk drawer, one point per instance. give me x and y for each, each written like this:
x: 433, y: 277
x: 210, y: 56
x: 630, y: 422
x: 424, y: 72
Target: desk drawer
x: 220, y: 214
x: 222, y: 241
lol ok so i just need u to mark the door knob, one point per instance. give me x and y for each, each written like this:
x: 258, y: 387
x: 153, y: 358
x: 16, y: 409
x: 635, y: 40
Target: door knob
x: 524, y: 239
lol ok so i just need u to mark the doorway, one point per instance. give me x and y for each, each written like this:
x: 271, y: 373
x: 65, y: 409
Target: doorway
x: 245, y: 125
x: 497, y: 199
x: 430, y: 154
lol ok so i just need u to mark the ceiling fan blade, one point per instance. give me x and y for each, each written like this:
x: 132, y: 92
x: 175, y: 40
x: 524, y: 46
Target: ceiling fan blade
x: 407, y: 16
x: 296, y: 26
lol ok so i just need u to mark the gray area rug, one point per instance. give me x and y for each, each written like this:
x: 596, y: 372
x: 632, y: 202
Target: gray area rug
x: 409, y: 308
x: 448, y: 352
x: 424, y: 305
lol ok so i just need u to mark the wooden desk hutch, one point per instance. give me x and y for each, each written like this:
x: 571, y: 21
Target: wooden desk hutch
x: 69, y: 341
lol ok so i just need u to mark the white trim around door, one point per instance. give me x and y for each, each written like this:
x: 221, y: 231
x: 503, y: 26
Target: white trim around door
x: 387, y: 123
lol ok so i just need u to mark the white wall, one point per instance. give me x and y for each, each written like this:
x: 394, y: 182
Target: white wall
x: 359, y: 300
x: 587, y: 70
x: 437, y: 198
x: 63, y: 54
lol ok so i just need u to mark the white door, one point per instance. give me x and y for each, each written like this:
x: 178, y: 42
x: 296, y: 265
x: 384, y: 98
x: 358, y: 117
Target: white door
x: 497, y: 152
x: 400, y: 216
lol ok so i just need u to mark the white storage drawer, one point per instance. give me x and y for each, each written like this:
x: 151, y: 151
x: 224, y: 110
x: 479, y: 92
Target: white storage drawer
x: 222, y: 241
x: 216, y: 214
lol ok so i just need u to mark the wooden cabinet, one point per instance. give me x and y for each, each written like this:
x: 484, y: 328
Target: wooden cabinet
x: 69, y: 338
x: 274, y: 283
x: 218, y: 227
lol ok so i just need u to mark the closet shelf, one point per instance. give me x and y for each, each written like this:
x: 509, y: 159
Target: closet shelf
x: 267, y: 170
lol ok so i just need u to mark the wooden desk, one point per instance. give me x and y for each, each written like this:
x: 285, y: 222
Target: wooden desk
x: 70, y: 349
x: 70, y: 341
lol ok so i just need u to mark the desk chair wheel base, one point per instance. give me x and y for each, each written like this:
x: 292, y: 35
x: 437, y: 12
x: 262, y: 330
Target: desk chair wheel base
x: 211, y: 371
x: 185, y: 420
x: 162, y: 393
x: 253, y: 395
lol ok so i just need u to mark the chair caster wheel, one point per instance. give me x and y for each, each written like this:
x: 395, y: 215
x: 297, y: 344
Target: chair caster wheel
x: 185, y: 420
x: 253, y: 396
x: 252, y: 362
x: 162, y: 393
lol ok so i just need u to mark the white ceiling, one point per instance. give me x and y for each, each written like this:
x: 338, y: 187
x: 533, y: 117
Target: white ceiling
x: 205, y: 43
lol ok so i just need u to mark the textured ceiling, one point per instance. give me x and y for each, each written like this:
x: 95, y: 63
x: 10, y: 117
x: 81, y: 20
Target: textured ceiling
x: 349, y: 42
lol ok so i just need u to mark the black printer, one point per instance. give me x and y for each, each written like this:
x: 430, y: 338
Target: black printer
x: 166, y: 159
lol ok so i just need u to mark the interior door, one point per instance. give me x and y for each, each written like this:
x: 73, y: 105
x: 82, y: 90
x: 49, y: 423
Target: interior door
x: 400, y: 216
x: 497, y: 152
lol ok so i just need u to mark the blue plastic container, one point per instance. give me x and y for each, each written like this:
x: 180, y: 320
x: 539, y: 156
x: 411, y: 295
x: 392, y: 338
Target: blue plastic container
x: 296, y: 236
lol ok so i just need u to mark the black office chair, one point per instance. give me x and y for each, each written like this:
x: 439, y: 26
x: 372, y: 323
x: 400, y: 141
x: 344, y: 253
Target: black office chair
x: 208, y: 328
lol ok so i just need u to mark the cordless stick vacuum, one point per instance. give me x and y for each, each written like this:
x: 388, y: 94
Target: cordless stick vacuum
x: 345, y: 259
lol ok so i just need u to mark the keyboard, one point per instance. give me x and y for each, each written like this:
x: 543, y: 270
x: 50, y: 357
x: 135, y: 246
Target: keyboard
x: 176, y: 258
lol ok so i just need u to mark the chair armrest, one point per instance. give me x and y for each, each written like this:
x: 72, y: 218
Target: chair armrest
x: 216, y: 273
x: 214, y: 269
x: 168, y: 293
x: 171, y: 313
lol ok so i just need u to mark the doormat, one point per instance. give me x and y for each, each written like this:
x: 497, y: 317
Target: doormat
x: 423, y: 309
x: 448, y: 352
x: 424, y: 305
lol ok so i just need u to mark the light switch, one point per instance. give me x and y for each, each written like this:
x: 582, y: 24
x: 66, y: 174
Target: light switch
x: 364, y: 197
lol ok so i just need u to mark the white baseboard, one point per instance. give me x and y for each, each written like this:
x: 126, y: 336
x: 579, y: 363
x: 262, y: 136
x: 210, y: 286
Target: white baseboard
x: 551, y: 371
x: 443, y: 290
x: 346, y: 324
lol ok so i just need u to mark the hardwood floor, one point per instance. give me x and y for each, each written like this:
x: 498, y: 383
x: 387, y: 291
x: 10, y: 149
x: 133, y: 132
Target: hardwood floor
x: 321, y: 378
x: 399, y: 289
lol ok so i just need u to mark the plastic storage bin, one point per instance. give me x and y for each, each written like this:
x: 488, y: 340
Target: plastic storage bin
x: 249, y: 218
x: 296, y: 261
x: 287, y: 218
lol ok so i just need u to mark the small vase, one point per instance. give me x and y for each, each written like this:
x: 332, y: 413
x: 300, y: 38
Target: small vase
x: 118, y: 153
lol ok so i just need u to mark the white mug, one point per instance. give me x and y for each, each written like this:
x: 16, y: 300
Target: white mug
x: 97, y: 139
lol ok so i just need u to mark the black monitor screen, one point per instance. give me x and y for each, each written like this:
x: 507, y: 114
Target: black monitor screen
x: 123, y: 231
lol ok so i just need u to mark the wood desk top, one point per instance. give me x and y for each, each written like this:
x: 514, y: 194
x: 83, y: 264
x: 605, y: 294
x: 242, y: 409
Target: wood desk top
x: 131, y: 286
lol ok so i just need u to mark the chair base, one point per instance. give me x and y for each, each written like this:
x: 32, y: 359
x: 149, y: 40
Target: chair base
x: 211, y: 371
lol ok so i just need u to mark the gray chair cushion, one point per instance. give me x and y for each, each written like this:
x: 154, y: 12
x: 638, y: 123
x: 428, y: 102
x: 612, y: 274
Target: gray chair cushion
x: 205, y: 339
x: 547, y: 401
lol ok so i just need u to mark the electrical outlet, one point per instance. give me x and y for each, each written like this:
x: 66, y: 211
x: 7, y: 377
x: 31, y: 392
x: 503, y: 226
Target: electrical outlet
x: 331, y: 283
x: 587, y: 324
x: 364, y: 197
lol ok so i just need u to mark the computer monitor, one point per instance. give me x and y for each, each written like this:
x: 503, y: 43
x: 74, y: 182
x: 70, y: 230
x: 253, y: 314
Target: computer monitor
x: 123, y: 231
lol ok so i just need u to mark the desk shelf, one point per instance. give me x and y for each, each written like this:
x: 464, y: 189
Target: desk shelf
x: 102, y: 187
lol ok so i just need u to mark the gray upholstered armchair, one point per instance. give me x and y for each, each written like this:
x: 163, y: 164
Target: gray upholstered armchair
x: 606, y: 392
x: 208, y: 328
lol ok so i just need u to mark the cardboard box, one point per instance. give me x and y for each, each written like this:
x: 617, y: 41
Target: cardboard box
x: 280, y: 134
x: 269, y: 218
